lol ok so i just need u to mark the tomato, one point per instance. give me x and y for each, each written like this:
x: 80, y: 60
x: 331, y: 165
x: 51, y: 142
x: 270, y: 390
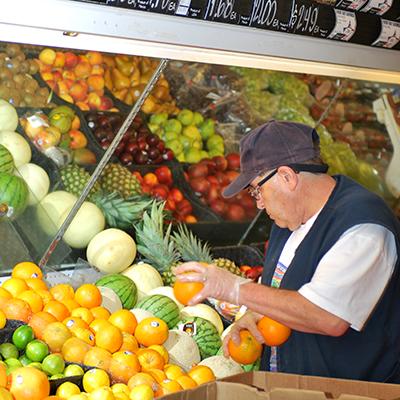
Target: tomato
x: 37, y: 350
x: 53, y: 364
x: 22, y: 336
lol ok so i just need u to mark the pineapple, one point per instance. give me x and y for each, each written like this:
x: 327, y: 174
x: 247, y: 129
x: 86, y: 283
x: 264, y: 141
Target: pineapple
x: 116, y: 177
x: 154, y: 243
x: 119, y: 212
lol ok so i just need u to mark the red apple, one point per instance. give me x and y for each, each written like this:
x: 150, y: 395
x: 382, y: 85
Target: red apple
x: 70, y: 60
x: 176, y: 195
x: 78, y: 139
x: 221, y: 163
x: 222, y: 178
x: 184, y: 207
x: 106, y: 103
x: 197, y: 171
x: 220, y: 207
x: 244, y: 200
x: 235, y: 213
x: 213, y: 193
x: 213, y: 179
x: 163, y: 174
x: 233, y: 161
x: 200, y: 186
x: 231, y: 175
x: 159, y: 192
x: 210, y: 165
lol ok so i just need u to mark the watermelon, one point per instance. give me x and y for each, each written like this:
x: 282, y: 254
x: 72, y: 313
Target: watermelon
x: 14, y: 192
x: 6, y: 160
x: 255, y: 366
x: 123, y: 286
x: 162, y: 307
x: 205, y: 334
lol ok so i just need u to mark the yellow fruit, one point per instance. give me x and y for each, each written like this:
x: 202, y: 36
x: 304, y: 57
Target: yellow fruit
x: 95, y: 378
x: 141, y: 392
x: 67, y: 389
x: 102, y: 393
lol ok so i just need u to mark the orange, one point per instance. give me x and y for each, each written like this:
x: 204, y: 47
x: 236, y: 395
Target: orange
x: 186, y: 382
x: 102, y: 393
x: 124, y: 320
x: 33, y: 299
x: 97, y: 324
x: 274, y: 333
x: 120, y: 388
x: 55, y: 335
x: 5, y: 293
x: 123, y: 366
x: 46, y: 316
x: 84, y: 334
x: 17, y: 309
x: 248, y: 351
x: 183, y: 292
x: 20, y: 303
x: 100, y: 312
x: 71, y: 304
x: 57, y: 309
x: 25, y: 270
x: 75, y: 322
x: 151, y: 331
x: 162, y: 350
x: 150, y: 359
x: 120, y: 396
x: 45, y: 294
x: 201, y: 374
x: 36, y: 284
x: 28, y: 383
x: 171, y: 386
x: 109, y: 337
x: 141, y: 378
x: 84, y: 313
x: 157, y: 374
x: 98, y: 358
x: 15, y: 286
x: 173, y: 371
x: 88, y: 295
x: 38, y: 324
x: 3, y: 376
x: 129, y: 345
x: 95, y: 378
x: 62, y: 291
x: 74, y: 350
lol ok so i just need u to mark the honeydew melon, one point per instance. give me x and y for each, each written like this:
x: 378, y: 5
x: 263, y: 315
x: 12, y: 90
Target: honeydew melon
x: 141, y: 314
x: 8, y: 116
x: 111, y: 251
x: 222, y: 367
x: 182, y: 349
x: 17, y: 146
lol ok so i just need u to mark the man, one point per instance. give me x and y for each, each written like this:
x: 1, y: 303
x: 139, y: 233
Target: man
x: 331, y: 271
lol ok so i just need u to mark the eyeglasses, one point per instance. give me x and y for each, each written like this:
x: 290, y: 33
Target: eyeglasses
x: 255, y: 192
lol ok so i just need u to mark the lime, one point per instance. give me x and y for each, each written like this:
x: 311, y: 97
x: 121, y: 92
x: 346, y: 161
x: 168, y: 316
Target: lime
x: 22, y: 336
x: 37, y: 350
x: 73, y: 370
x: 36, y: 365
x: 11, y: 362
x: 11, y: 369
x: 57, y: 376
x: 53, y: 364
x: 9, y: 350
x: 25, y: 360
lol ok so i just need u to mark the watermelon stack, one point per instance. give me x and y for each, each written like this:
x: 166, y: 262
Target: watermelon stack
x: 14, y: 194
x: 6, y: 160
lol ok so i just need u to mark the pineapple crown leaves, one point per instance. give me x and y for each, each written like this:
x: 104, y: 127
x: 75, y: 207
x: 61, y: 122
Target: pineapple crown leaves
x: 190, y: 246
x: 153, y: 241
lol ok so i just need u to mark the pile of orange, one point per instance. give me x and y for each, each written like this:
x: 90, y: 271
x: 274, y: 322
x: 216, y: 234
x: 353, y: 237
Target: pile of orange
x: 74, y: 324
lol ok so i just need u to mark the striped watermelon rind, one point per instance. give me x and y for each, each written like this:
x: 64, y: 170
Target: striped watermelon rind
x: 123, y: 286
x: 207, y: 336
x: 14, y: 192
x: 6, y: 160
x: 255, y: 366
x: 162, y: 307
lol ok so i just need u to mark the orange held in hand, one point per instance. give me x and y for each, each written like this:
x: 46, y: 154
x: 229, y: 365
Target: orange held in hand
x: 248, y: 351
x: 183, y: 292
x: 274, y: 333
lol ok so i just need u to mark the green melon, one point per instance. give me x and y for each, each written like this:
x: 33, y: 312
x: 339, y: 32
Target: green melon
x: 162, y: 307
x: 6, y: 160
x: 205, y: 334
x: 123, y: 286
x: 14, y: 192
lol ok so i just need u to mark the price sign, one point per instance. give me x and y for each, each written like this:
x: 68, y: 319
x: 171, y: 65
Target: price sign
x: 390, y: 35
x: 305, y: 19
x: 345, y: 26
x: 265, y: 14
x: 229, y: 11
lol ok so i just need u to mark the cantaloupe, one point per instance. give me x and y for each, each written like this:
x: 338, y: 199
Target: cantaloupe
x: 222, y: 367
x: 182, y: 349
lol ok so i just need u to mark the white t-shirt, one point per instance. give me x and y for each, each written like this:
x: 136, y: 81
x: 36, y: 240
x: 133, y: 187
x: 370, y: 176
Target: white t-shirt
x: 352, y: 275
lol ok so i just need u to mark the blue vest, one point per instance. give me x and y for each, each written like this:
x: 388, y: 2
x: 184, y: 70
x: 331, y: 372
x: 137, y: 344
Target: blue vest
x: 372, y: 354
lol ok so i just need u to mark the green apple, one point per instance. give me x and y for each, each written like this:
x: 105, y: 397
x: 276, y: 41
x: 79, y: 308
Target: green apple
x: 154, y: 128
x: 185, y: 117
x: 214, y: 141
x: 159, y: 119
x: 169, y: 135
x: 186, y: 142
x: 192, y: 132
x: 175, y: 145
x: 173, y: 125
x: 192, y: 155
x: 197, y: 118
x: 207, y: 128
x: 215, y: 152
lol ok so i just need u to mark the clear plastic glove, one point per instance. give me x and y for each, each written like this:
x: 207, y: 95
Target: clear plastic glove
x: 247, y: 321
x: 218, y: 283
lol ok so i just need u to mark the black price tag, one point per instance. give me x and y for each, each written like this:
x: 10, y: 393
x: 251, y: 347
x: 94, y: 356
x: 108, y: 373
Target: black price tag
x: 236, y: 12
x: 271, y: 15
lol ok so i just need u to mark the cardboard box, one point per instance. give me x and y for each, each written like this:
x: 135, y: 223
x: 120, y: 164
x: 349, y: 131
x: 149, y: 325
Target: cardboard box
x: 258, y: 385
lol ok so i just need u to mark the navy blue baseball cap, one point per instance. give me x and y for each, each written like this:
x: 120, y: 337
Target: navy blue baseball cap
x: 270, y: 146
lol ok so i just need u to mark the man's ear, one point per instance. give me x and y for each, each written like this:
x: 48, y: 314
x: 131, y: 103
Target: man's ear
x: 289, y: 176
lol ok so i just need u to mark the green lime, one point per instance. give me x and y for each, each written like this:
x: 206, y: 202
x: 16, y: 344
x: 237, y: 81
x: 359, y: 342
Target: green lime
x: 11, y: 362
x: 57, y: 376
x: 73, y: 370
x: 25, y: 360
x: 11, y: 369
x: 53, y: 364
x: 9, y: 350
x: 22, y: 336
x: 36, y: 365
x: 37, y: 350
